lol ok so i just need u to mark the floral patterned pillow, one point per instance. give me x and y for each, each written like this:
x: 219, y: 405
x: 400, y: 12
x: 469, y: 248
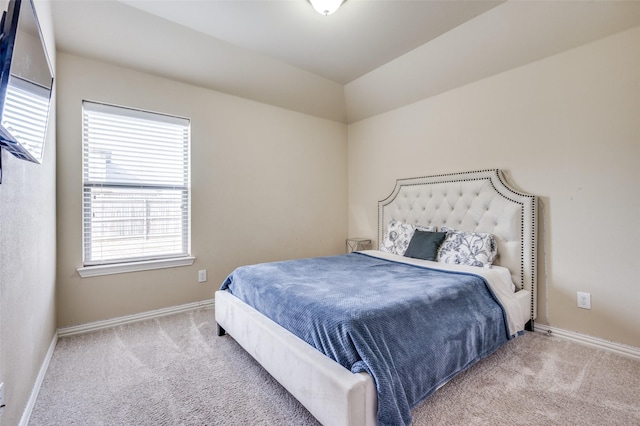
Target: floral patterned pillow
x: 467, y: 248
x: 398, y: 236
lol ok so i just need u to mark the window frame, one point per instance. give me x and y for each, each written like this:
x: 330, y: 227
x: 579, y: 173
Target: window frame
x: 93, y: 267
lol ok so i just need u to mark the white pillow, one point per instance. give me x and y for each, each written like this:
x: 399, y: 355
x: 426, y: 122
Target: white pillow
x: 467, y: 248
x: 398, y: 235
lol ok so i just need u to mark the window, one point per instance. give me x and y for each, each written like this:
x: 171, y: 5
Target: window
x: 136, y: 196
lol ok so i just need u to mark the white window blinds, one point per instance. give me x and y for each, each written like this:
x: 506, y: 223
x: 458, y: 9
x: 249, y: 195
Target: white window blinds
x: 25, y: 116
x: 136, y: 196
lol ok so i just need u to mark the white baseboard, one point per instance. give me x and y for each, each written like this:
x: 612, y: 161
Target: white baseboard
x: 618, y: 348
x: 26, y: 414
x: 99, y: 325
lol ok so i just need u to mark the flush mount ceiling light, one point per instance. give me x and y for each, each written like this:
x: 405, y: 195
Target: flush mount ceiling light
x: 326, y: 7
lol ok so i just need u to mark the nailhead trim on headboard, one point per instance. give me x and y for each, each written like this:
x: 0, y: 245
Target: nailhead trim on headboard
x: 441, y: 185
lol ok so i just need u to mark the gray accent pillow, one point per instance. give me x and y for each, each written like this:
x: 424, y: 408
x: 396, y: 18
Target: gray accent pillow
x: 425, y: 245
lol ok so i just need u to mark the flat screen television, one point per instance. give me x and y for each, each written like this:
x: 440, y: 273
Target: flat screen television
x: 26, y: 82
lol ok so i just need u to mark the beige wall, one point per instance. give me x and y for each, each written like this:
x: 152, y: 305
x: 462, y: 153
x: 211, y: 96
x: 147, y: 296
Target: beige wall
x: 565, y: 128
x: 27, y: 260
x: 267, y: 184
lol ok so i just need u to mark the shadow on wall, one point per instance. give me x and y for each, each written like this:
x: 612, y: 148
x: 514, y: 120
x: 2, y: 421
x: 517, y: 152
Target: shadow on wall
x: 543, y: 256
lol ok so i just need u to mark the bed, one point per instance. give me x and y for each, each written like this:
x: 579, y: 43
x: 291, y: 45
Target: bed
x: 475, y: 203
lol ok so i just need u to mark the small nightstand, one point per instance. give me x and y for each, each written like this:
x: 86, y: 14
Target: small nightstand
x: 355, y: 244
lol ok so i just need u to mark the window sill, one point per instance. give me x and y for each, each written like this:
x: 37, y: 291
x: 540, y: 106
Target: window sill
x: 120, y: 268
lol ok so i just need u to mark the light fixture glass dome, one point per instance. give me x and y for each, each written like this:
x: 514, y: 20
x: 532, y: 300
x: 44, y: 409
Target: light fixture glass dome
x: 326, y: 7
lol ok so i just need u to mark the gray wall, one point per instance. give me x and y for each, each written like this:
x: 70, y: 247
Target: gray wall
x: 27, y: 260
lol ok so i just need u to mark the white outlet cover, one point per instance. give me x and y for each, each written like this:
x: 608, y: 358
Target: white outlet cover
x: 584, y: 300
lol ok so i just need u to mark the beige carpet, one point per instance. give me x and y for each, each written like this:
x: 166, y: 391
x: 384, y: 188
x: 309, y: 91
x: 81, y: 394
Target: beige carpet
x: 175, y: 371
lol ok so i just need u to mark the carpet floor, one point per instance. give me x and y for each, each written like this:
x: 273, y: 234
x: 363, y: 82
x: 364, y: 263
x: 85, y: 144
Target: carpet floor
x: 174, y: 370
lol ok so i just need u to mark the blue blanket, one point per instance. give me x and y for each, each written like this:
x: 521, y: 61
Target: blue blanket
x: 411, y: 328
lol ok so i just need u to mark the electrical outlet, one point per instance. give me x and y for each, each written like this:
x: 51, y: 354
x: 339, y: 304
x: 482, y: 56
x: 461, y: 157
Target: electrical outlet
x: 584, y: 300
x: 1, y: 398
x: 202, y: 275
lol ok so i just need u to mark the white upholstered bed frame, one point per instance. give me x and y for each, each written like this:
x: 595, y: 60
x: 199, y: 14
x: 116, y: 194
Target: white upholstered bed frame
x: 480, y: 201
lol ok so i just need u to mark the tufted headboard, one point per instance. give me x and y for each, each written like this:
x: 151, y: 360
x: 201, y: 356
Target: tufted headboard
x: 480, y: 201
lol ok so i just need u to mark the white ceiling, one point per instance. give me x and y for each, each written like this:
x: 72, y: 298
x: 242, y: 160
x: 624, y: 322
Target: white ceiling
x: 339, y: 67
x: 359, y: 37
